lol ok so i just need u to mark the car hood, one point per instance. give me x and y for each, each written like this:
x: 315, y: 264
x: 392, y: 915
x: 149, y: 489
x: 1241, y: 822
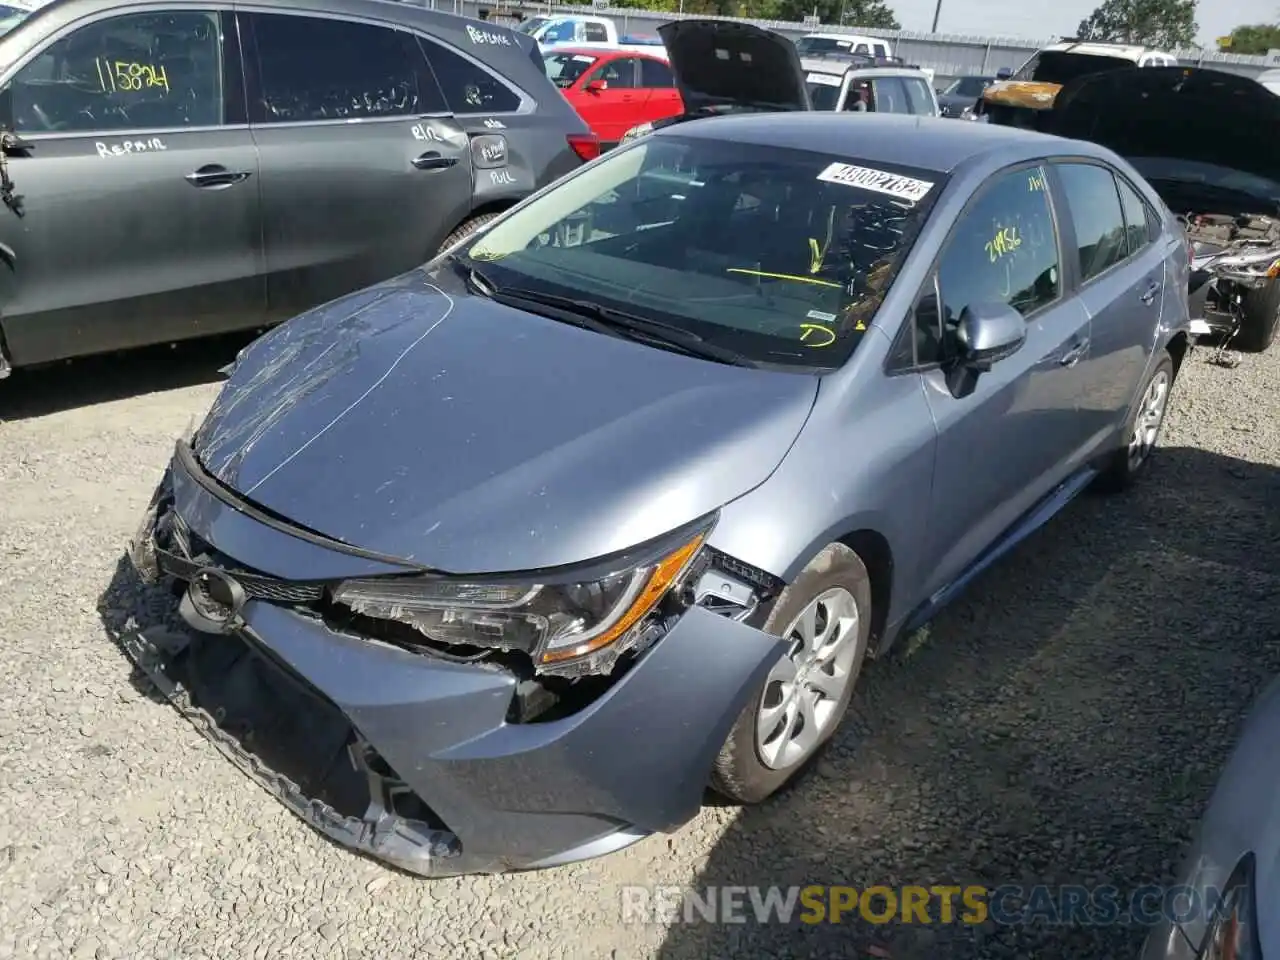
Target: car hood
x: 1028, y: 94
x: 421, y: 422
x: 1203, y: 138
x: 718, y: 62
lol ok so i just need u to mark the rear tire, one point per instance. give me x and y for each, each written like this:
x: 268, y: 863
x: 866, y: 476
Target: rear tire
x: 465, y: 229
x: 787, y: 723
x: 1261, y: 310
x: 1142, y: 431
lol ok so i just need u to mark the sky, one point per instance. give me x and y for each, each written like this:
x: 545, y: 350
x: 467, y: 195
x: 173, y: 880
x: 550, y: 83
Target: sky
x: 1020, y: 18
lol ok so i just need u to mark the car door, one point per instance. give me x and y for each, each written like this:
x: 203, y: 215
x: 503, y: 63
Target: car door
x: 363, y: 168
x: 658, y: 85
x: 139, y: 218
x: 1015, y: 435
x: 611, y: 110
x: 1121, y: 278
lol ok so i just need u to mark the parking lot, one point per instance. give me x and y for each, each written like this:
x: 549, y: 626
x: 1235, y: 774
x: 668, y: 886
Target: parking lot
x: 1063, y: 723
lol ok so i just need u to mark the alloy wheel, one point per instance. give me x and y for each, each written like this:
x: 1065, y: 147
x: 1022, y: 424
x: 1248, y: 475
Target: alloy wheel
x: 1150, y: 420
x: 804, y: 689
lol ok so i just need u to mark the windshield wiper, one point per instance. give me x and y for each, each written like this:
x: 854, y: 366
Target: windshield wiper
x: 604, y: 319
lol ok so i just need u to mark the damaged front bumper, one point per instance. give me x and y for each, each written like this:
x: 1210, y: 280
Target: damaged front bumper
x: 419, y: 761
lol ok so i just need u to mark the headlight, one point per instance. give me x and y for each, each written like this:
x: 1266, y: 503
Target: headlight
x: 1233, y: 929
x: 554, y: 619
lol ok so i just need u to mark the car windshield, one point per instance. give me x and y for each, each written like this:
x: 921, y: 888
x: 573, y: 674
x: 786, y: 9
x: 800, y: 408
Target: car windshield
x: 968, y: 87
x: 824, y: 89
x: 10, y: 17
x: 532, y: 24
x: 1059, y: 66
x: 564, y: 68
x: 816, y: 46
x: 779, y: 254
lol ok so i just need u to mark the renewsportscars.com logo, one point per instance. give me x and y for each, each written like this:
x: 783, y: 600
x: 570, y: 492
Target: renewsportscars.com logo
x: 1008, y: 905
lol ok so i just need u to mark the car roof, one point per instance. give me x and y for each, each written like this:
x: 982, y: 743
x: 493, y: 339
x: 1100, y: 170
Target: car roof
x: 391, y: 10
x: 1126, y: 51
x: 837, y: 65
x: 929, y: 143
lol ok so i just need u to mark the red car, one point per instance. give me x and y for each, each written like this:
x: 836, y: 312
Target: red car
x: 614, y: 90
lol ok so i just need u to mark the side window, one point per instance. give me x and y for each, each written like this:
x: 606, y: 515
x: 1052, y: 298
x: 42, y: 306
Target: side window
x: 1137, y: 218
x: 559, y: 32
x: 918, y: 100
x: 655, y: 74
x: 861, y: 48
x: 468, y: 87
x: 596, y: 33
x: 619, y: 74
x: 137, y: 71
x: 1003, y: 249
x: 311, y: 68
x: 1094, y: 206
x: 881, y: 50
x: 890, y: 96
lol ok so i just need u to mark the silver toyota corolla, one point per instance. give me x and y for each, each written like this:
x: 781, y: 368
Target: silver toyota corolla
x: 498, y: 564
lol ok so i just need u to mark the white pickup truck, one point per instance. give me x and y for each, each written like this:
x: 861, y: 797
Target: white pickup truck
x: 585, y: 31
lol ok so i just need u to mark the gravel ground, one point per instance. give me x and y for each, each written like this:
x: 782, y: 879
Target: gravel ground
x: 1063, y: 723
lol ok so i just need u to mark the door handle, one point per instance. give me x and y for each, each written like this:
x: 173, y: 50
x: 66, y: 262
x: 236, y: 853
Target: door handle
x: 433, y: 160
x: 1073, y: 355
x: 1149, y: 295
x: 215, y: 175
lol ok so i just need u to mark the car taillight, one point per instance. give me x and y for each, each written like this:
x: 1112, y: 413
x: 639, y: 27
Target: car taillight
x: 585, y: 145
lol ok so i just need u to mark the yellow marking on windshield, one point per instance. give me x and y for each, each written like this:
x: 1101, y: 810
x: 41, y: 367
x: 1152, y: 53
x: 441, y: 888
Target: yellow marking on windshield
x: 783, y: 276
x: 820, y: 330
x: 819, y: 254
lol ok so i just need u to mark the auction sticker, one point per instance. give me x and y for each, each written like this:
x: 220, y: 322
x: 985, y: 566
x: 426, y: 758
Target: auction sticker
x: 879, y: 181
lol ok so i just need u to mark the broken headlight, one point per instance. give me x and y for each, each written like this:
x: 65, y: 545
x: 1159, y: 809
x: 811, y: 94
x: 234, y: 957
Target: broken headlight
x: 554, y: 618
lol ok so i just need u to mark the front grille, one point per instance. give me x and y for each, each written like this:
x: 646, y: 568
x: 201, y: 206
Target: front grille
x: 183, y: 553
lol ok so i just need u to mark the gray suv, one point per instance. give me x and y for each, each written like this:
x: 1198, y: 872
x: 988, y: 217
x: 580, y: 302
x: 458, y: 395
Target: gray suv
x: 186, y: 168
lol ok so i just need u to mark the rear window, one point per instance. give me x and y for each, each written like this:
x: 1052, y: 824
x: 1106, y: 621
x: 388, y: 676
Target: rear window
x: 968, y: 87
x: 918, y: 97
x: 564, y: 69
x: 824, y: 89
x: 783, y: 255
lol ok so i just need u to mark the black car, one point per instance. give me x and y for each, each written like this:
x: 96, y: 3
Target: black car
x: 179, y: 168
x: 962, y: 94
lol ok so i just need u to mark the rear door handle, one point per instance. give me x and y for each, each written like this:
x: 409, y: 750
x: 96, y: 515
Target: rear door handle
x: 1149, y: 295
x: 1073, y: 355
x: 433, y: 160
x: 215, y: 176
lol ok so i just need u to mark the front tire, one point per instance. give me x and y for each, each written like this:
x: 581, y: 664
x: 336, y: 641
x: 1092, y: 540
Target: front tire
x: 825, y: 613
x: 464, y: 230
x: 1142, y: 432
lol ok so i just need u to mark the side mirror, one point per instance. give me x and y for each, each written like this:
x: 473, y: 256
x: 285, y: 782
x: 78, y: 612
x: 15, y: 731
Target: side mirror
x: 596, y: 86
x: 988, y: 333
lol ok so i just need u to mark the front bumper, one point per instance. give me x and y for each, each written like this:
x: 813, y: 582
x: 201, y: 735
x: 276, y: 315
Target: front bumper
x: 413, y: 759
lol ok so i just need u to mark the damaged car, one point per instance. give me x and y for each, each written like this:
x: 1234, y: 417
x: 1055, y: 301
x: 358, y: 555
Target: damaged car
x: 1204, y: 140
x: 1024, y: 98
x: 501, y: 563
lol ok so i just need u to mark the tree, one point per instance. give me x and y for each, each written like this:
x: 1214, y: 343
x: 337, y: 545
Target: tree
x: 1256, y: 39
x: 857, y: 13
x: 1168, y: 24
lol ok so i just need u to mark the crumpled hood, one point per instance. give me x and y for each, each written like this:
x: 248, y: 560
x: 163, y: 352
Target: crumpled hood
x: 1203, y: 138
x: 416, y: 420
x: 1029, y: 94
x: 720, y: 62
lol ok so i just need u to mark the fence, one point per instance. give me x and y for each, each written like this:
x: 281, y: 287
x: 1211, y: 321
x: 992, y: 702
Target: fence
x: 947, y: 54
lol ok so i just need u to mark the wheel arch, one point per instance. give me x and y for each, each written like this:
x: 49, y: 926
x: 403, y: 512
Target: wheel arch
x: 877, y: 556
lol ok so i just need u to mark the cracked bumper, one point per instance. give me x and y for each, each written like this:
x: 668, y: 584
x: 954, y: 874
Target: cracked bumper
x: 411, y: 759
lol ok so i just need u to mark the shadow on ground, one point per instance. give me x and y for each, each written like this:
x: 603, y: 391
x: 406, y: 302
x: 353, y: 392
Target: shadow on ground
x: 39, y: 391
x: 1062, y: 724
